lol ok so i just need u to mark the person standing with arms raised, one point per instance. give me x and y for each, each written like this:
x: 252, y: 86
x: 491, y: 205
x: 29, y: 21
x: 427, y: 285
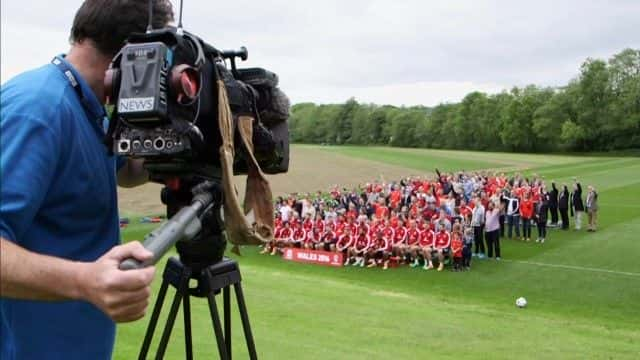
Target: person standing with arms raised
x: 577, y: 205
x: 553, y: 204
x: 563, y: 206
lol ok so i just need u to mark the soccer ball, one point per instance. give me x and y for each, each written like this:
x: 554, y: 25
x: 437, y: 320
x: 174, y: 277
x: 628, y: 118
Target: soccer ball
x: 521, y: 302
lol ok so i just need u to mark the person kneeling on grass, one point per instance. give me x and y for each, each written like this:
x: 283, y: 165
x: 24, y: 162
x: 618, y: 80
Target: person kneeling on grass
x: 268, y: 247
x: 313, y: 238
x: 359, y: 248
x: 298, y: 237
x: 378, y: 251
x: 327, y: 241
x: 284, y: 238
x: 343, y: 244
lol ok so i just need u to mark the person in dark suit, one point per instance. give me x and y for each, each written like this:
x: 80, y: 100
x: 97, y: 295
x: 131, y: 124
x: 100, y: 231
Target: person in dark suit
x: 541, y: 216
x: 504, y: 202
x: 563, y: 206
x: 577, y: 205
x: 553, y: 204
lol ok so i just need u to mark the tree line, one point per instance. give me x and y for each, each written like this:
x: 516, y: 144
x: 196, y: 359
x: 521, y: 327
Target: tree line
x: 599, y: 110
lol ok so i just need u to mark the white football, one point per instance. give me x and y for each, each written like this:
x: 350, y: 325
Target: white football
x: 521, y: 302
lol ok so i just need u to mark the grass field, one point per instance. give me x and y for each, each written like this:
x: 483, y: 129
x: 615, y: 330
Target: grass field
x: 583, y: 288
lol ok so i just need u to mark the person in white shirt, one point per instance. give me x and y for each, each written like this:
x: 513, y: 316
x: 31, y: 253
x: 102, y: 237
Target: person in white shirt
x: 285, y: 212
x: 513, y: 214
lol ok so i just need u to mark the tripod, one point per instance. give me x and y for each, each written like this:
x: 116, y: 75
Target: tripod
x: 201, y: 259
x: 211, y: 280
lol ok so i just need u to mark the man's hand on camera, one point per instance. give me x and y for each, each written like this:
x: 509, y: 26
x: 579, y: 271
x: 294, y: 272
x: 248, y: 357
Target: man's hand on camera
x: 122, y: 295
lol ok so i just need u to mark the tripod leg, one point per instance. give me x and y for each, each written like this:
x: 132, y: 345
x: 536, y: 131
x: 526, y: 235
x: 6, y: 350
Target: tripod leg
x: 217, y: 328
x: 168, y: 326
x: 251, y: 346
x: 148, y: 336
x: 227, y: 318
x: 186, y: 306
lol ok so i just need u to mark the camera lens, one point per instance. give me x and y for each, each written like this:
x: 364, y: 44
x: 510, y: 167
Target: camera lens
x: 147, y: 144
x: 136, y: 144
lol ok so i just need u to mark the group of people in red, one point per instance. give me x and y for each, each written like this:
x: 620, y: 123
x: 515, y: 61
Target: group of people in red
x: 417, y: 221
x: 370, y: 243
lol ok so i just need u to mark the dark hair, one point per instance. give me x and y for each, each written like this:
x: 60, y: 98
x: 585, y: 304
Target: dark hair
x: 108, y: 23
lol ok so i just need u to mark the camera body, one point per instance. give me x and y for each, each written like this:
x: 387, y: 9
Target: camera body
x: 163, y: 87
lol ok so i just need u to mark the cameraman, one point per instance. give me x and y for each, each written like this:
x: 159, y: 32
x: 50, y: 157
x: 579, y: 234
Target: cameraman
x: 61, y: 287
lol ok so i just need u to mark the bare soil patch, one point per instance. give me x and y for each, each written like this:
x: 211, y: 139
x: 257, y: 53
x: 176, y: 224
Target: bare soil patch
x: 310, y: 170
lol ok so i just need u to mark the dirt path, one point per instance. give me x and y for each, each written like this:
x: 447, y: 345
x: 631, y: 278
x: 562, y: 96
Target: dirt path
x: 310, y: 170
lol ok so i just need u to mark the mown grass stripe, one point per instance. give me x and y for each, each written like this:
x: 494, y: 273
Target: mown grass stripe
x: 574, y: 267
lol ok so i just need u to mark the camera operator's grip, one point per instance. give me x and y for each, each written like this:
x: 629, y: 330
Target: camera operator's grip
x: 184, y: 223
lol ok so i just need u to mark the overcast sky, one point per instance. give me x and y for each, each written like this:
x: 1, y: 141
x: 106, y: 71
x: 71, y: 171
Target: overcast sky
x: 388, y: 52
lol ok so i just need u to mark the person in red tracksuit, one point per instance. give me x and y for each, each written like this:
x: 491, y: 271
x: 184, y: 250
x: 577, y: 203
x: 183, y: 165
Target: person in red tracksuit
x: 387, y: 231
x: 381, y: 210
x: 379, y: 251
x: 319, y: 223
x: 399, y: 237
x: 268, y: 247
x: 327, y: 240
x: 457, y: 246
x: 427, y: 245
x: 362, y: 224
x: 307, y: 224
x: 395, y: 197
x: 359, y: 248
x: 464, y: 209
x: 278, y: 221
x: 442, y: 244
x: 343, y: 228
x: 412, y: 243
x: 388, y: 234
x: 343, y: 244
x: 283, y: 239
x: 526, y: 214
x: 298, y: 236
x: 313, y: 238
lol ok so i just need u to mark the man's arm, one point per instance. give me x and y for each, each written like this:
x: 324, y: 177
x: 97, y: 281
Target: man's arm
x: 122, y: 295
x: 27, y: 275
x: 133, y: 173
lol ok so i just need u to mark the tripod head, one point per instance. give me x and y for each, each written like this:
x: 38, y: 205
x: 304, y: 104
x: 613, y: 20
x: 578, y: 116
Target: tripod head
x: 207, y: 246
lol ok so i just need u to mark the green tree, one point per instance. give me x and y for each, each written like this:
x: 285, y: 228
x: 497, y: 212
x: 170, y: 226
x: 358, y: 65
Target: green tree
x: 598, y: 110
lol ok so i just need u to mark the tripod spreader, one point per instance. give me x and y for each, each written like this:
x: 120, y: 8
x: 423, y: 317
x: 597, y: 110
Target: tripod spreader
x: 185, y: 224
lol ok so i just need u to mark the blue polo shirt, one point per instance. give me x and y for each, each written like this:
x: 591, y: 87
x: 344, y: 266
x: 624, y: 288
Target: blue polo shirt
x: 57, y: 197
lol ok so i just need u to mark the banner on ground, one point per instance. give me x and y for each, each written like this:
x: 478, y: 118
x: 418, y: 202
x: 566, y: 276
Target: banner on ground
x: 313, y: 256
